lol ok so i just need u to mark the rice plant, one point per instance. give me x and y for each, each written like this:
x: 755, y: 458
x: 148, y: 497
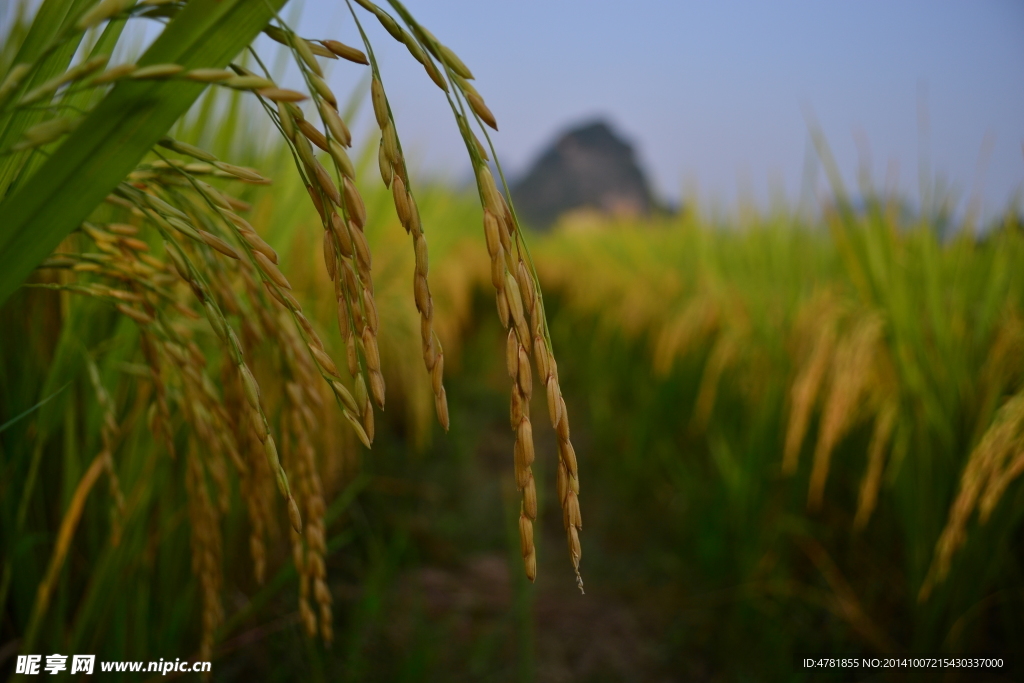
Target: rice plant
x: 225, y: 382
x: 848, y: 392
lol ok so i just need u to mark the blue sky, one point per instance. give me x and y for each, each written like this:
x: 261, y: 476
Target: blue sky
x: 715, y: 95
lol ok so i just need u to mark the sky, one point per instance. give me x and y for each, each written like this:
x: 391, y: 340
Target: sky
x: 716, y: 97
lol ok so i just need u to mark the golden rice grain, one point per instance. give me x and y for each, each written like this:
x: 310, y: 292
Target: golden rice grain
x: 346, y: 397
x: 312, y: 134
x: 572, y: 511
x: 341, y: 158
x: 491, y: 229
x: 323, y: 90
x: 422, y: 296
x: 386, y: 171
x: 334, y: 123
x: 554, y: 402
x: 530, y: 566
x: 380, y: 103
x: 326, y: 183
x: 305, y: 51
x: 488, y: 190
x: 252, y: 389
x: 370, y: 311
x: 276, y: 294
x: 441, y: 407
x: 368, y: 425
x: 345, y: 52
x: 525, y: 376
x: 247, y: 174
x: 401, y: 198
x: 420, y: 249
x: 540, y: 354
x: 515, y: 301
x: 218, y: 244
x: 512, y: 355
x: 415, y: 225
x: 362, y: 250
x: 518, y: 408
x: 563, y: 483
x: 281, y: 95
x: 503, y: 312
x: 315, y: 194
x: 288, y: 121
x: 377, y: 387
x: 341, y: 234
x: 574, y: 547
x: 437, y: 374
x: 526, y: 289
x: 524, y: 436
x: 453, y: 62
x: 370, y: 352
x: 350, y: 280
x: 477, y: 104
x: 563, y: 423
x: 389, y: 24
x: 324, y: 361
x: 271, y: 270
x: 429, y: 353
x: 435, y: 74
x: 389, y: 140
x: 530, y: 498
x: 567, y: 455
x: 354, y: 204
x: 257, y: 244
x: 525, y: 534
x: 498, y: 270
x: 293, y: 514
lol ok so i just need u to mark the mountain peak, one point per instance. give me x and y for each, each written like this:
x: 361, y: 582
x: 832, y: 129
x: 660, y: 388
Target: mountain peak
x: 587, y: 167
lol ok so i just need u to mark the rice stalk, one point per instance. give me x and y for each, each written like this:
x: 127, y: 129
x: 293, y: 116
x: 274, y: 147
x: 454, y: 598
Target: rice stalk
x: 885, y: 422
x: 983, y: 478
x: 806, y: 385
x: 171, y: 251
x: 850, y: 376
x: 64, y: 537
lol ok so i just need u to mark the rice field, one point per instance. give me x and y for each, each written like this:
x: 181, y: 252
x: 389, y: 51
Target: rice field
x: 247, y: 417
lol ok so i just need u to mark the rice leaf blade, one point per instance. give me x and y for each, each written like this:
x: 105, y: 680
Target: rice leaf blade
x: 118, y: 132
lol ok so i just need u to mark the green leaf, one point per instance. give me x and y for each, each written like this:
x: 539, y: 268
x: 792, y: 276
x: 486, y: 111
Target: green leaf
x: 52, y: 18
x: 112, y: 138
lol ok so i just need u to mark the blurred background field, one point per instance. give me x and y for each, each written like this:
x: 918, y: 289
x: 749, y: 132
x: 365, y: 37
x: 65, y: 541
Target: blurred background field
x: 799, y: 430
x: 736, y: 517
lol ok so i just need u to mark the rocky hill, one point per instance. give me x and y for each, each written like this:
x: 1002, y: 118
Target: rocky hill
x: 588, y: 167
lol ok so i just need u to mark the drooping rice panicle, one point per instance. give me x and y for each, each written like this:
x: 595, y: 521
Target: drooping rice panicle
x: 395, y: 174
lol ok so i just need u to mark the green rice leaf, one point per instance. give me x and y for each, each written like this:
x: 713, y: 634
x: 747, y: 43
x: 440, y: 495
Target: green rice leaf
x: 112, y: 138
